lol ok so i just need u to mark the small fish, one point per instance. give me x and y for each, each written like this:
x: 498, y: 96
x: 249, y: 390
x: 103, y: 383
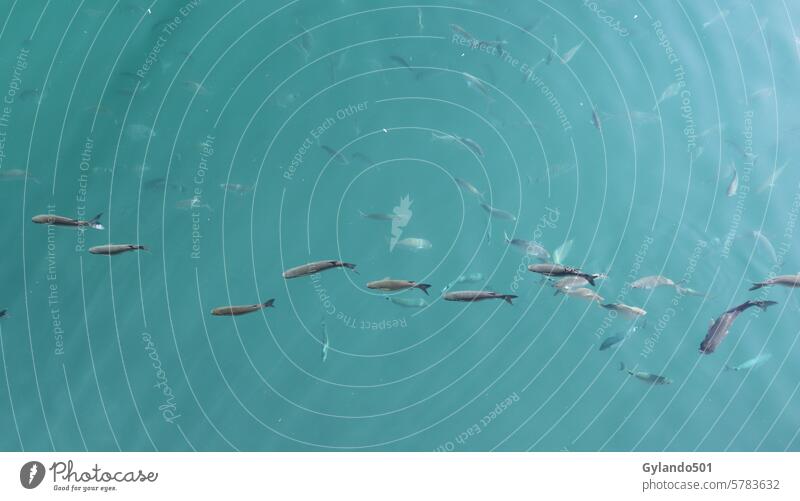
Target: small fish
x: 192, y: 204
x: 472, y: 145
x: 240, y: 189
x: 475, y: 83
x: 652, y: 282
x: 671, y: 91
x: 335, y: 155
x: 596, y: 120
x: 567, y: 57
x: 196, y: 87
x: 458, y: 30
x: 414, y: 243
x: 770, y: 182
x: 559, y: 270
x: 733, y: 187
x: 362, y: 158
x: 653, y: 379
x: 408, y: 302
x: 16, y: 175
x: 553, y: 50
x: 529, y: 247
x: 112, y: 249
x: 54, y: 220
x: 562, y: 252
x: 472, y: 296
x: 785, y: 280
x: 611, y: 341
x: 753, y: 363
x: 470, y: 278
x: 584, y: 293
x: 498, y: 213
x: 376, y: 216
x: 469, y: 188
x: 720, y: 327
x: 568, y: 283
x: 316, y: 267
x: 390, y: 285
x: 722, y: 15
x: 625, y: 310
x: 227, y: 311
x: 402, y: 62
x: 326, y: 342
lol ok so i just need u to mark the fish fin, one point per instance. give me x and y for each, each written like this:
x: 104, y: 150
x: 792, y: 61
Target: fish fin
x: 590, y: 278
x: 765, y: 304
x: 508, y: 297
x: 622, y: 366
x: 95, y: 222
x: 270, y: 303
x: 423, y: 288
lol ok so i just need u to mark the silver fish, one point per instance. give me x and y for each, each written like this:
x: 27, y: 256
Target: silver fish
x: 326, y: 342
x: 611, y: 341
x: 227, y: 311
x: 472, y: 296
x: 498, y: 213
x: 388, y: 284
x: 753, y: 363
x: 567, y: 57
x: 625, y: 310
x: 408, y: 302
x: 16, y: 175
x: 733, y: 187
x: 469, y: 188
x: 316, y: 267
x: 414, y: 243
x: 562, y: 252
x: 785, y: 280
x: 529, y: 247
x: 720, y: 327
x: 651, y: 282
x: 584, y: 293
x: 52, y: 219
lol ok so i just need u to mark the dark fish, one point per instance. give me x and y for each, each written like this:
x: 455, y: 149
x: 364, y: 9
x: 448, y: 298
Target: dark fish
x: 316, y: 267
x: 611, y: 341
x: 362, y: 157
x: 241, y: 310
x: 472, y: 296
x: 335, y: 155
x: 110, y: 250
x: 402, y: 62
x: 720, y: 327
x: 66, y: 221
x: 557, y: 270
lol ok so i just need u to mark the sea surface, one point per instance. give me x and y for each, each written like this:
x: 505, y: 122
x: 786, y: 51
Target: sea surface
x: 238, y: 139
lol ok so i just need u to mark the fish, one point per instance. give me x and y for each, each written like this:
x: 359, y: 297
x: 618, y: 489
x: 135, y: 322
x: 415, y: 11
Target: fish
x: 472, y: 145
x: 458, y: 30
x: 16, y: 175
x: 388, y: 284
x: 161, y: 183
x: 529, y: 247
x: 625, y: 310
x: 753, y: 363
x: 227, y: 311
x: 192, y: 203
x: 567, y: 57
x: 241, y: 189
x: 498, y: 213
x: 652, y: 282
x: 408, y: 302
x: 402, y: 62
x: 472, y: 296
x: 335, y: 155
x: 766, y: 244
x: 770, y: 182
x: 316, y: 267
x: 567, y: 283
x: 469, y: 188
x: 733, y: 187
x: 112, y: 249
x: 376, y: 216
x: 553, y: 50
x: 469, y: 278
x: 326, y: 342
x: 596, y: 120
x: 611, y: 341
x: 785, y: 280
x: 414, y: 243
x: 584, y: 293
x: 559, y: 270
x: 562, y: 251
x: 720, y: 327
x: 52, y: 219
x: 671, y: 91
x: 474, y: 82
x: 722, y: 15
x: 647, y: 377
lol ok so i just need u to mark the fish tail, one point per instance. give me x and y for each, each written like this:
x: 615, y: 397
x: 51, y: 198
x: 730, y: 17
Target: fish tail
x: 589, y: 278
x: 508, y: 297
x: 270, y: 303
x: 622, y: 366
x: 140, y: 247
x: 756, y: 285
x: 764, y: 304
x: 607, y: 306
x: 3, y: 313
x: 423, y: 288
x: 350, y: 266
x: 95, y: 222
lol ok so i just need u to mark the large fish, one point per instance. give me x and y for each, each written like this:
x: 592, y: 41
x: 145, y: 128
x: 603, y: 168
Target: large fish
x: 720, y: 327
x: 753, y: 363
x: 389, y: 285
x: 529, y: 247
x: 112, y: 249
x: 785, y: 280
x: 625, y: 310
x: 66, y: 221
x: 558, y: 270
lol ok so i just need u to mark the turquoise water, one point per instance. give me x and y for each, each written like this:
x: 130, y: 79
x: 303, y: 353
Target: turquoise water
x: 143, y: 111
